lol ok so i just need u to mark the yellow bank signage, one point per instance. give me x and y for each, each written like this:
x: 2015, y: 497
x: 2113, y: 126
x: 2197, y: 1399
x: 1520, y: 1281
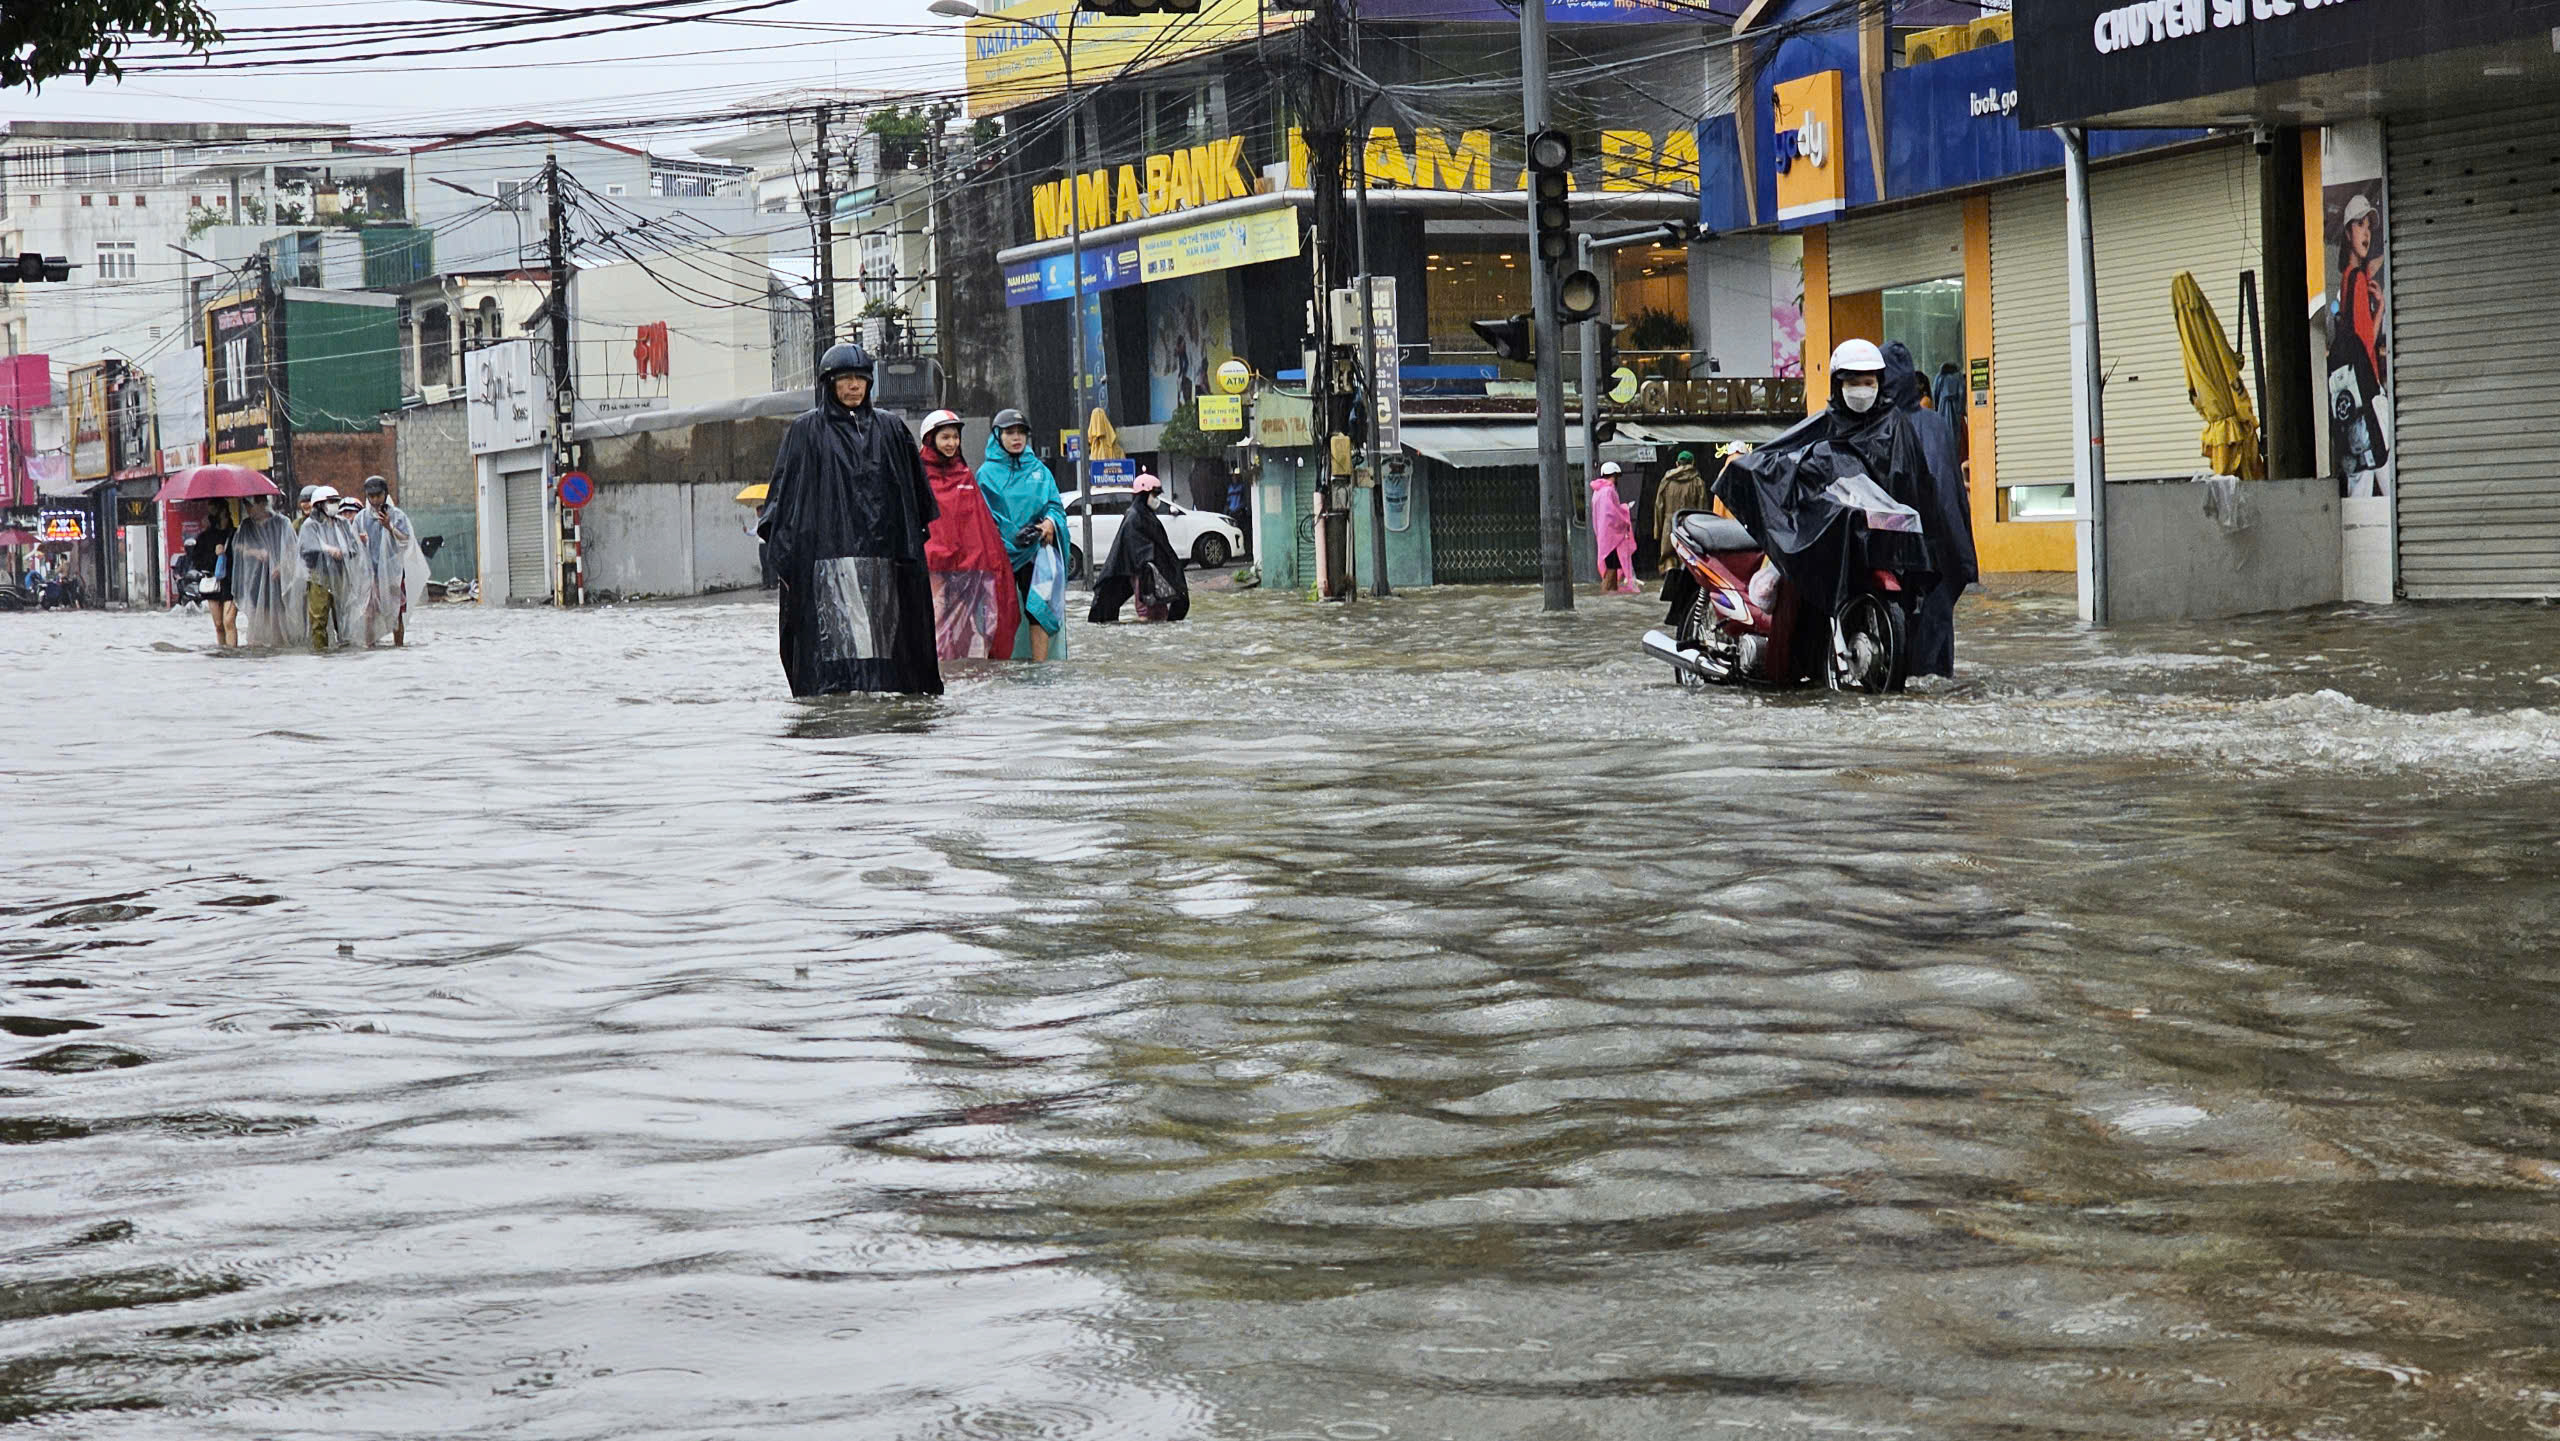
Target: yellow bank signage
x: 1206, y: 174
x: 1174, y: 180
x: 1017, y: 52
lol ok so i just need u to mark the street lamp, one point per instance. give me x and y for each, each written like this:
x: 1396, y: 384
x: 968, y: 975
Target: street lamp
x: 970, y: 10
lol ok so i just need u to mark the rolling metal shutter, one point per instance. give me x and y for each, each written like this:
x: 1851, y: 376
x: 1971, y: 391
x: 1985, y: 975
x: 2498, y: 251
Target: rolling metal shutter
x: 528, y: 549
x: 2196, y: 212
x: 2474, y: 204
x: 1903, y: 248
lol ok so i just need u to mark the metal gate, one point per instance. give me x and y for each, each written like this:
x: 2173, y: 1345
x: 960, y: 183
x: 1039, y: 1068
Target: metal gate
x: 2474, y: 202
x: 528, y: 549
x: 1484, y: 524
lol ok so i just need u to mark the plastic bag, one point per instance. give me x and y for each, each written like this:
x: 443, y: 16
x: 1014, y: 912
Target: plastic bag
x: 1764, y: 584
x: 856, y: 604
x: 1047, y: 602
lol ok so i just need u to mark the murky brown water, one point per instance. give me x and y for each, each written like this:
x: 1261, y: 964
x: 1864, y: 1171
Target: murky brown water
x: 1407, y: 1022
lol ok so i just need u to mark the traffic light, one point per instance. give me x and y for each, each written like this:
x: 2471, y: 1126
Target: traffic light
x: 1511, y: 339
x: 32, y: 268
x: 1577, y: 297
x: 1607, y: 337
x: 1551, y: 182
x: 1139, y: 7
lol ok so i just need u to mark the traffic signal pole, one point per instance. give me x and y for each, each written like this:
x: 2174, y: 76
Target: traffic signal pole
x: 1591, y: 332
x: 1555, y: 501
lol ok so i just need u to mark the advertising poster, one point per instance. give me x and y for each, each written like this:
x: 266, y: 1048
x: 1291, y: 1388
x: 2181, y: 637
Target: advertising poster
x: 235, y: 362
x: 87, y: 400
x: 2356, y: 384
x: 133, y: 449
x: 1187, y: 339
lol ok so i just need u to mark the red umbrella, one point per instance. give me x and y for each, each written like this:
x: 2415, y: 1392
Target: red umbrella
x: 14, y: 536
x: 214, y: 482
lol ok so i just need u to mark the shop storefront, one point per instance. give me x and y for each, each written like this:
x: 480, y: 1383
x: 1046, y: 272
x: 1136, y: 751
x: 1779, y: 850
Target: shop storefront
x: 2429, y: 215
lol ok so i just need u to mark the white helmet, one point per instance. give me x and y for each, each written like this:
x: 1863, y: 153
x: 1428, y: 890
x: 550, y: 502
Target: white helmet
x: 1857, y: 355
x: 936, y: 421
x: 1609, y: 467
x: 321, y: 494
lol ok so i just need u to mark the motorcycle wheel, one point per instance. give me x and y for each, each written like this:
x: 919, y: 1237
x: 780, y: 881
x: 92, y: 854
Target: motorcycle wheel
x: 1692, y: 636
x: 1873, y: 651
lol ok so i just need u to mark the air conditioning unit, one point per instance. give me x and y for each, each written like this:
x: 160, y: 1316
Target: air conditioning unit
x: 1994, y: 30
x: 1923, y: 46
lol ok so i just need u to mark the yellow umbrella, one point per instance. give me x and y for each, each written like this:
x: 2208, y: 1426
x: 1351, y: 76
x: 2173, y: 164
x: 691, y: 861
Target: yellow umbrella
x: 752, y: 495
x: 2214, y: 386
x: 1101, y: 442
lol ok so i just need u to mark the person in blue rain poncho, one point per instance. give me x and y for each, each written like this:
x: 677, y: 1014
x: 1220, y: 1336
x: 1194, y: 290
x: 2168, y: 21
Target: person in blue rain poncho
x: 1023, y: 497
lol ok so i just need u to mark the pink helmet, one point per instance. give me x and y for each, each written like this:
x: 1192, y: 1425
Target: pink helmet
x: 1145, y: 482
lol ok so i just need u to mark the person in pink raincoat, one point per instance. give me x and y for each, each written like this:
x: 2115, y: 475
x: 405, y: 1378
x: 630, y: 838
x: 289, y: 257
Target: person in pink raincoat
x: 1613, y: 529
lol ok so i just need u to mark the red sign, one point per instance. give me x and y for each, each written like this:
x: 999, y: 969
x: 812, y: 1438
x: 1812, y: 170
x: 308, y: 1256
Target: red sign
x: 576, y: 490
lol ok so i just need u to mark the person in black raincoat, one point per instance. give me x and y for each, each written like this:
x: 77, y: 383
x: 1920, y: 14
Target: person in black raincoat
x: 1779, y: 492
x: 1948, y: 514
x: 1143, y: 566
x: 845, y: 521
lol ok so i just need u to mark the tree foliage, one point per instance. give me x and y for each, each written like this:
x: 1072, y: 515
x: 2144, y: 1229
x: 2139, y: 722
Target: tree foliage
x: 43, y: 40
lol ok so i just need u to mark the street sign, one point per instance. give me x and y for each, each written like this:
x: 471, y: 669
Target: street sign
x: 575, y: 489
x: 1222, y: 412
x: 1114, y: 472
x: 1622, y: 385
x: 1070, y: 445
x: 1234, y: 376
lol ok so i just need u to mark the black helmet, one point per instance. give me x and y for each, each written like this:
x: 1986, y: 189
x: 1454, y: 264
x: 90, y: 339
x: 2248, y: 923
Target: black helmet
x: 846, y: 358
x: 1009, y: 418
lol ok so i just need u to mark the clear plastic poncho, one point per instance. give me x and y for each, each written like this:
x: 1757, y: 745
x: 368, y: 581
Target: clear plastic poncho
x: 266, y: 582
x: 333, y: 556
x: 394, y: 572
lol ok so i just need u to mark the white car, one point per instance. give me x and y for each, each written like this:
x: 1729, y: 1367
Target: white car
x: 1206, y: 539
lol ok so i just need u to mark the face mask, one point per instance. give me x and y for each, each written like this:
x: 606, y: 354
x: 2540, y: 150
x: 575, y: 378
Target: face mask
x: 1860, y: 398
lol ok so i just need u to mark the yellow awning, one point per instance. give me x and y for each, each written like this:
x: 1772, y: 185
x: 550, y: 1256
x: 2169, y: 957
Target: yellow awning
x: 2214, y: 385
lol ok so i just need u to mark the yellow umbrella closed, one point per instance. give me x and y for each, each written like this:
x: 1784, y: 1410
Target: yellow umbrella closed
x: 2214, y: 385
x: 1101, y: 442
x: 752, y: 495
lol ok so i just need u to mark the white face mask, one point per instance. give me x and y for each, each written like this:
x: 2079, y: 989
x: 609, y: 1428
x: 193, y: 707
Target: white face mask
x: 1860, y: 398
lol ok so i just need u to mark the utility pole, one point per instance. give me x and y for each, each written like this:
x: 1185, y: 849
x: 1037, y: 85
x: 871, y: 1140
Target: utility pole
x: 279, y: 381
x: 1326, y: 138
x: 1379, y: 585
x: 822, y: 304
x: 1555, y: 502
x: 564, y: 393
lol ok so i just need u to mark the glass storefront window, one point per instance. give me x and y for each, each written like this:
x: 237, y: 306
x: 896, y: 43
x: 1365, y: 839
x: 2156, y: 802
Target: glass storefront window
x: 1464, y: 285
x: 1928, y: 317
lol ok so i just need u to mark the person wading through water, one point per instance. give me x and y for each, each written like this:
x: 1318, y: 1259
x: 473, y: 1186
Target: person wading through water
x: 975, y: 607
x: 845, y: 520
x: 1023, y: 497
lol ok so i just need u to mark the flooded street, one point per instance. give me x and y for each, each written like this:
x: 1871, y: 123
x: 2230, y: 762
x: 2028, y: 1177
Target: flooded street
x: 1412, y: 1020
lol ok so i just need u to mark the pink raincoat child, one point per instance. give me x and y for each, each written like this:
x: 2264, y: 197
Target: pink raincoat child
x: 1613, y: 529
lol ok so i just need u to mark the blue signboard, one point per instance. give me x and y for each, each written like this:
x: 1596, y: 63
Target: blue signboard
x: 1114, y: 472
x: 1954, y: 122
x: 1027, y: 282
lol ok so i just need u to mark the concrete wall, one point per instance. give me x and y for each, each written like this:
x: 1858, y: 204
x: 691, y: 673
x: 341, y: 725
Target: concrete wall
x: 2168, y: 558
x: 438, y: 485
x: 664, y: 520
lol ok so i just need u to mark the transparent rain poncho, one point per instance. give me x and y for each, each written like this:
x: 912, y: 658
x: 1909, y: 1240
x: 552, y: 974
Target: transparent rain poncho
x: 394, y: 571
x: 266, y: 581
x: 333, y: 556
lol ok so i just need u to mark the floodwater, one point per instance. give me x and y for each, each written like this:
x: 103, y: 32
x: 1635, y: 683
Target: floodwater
x: 1415, y: 1020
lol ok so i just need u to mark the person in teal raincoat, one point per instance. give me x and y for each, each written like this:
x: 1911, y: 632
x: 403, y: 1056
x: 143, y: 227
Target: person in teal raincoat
x: 1023, y: 497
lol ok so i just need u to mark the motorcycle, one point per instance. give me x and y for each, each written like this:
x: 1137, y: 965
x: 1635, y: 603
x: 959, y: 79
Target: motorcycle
x: 1733, y: 624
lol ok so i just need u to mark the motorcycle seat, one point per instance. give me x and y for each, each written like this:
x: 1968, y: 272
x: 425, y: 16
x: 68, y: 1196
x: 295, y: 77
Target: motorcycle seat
x: 1713, y: 533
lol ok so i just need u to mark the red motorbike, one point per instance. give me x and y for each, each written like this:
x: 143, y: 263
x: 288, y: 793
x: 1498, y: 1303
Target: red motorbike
x: 1728, y: 631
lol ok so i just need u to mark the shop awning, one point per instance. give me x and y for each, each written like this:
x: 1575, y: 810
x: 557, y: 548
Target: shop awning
x: 1475, y: 445
x: 1702, y: 432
